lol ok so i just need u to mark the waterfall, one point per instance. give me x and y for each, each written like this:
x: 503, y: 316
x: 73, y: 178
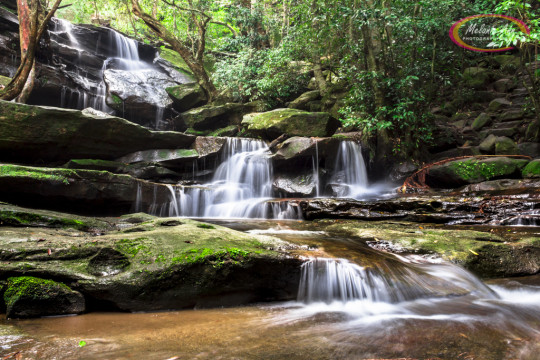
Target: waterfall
x: 350, y: 174
x: 330, y: 280
x: 241, y: 188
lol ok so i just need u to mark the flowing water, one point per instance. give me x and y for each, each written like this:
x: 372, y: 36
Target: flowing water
x: 366, y: 305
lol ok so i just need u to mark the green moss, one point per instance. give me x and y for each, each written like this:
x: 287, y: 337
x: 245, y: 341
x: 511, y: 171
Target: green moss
x: 191, y: 131
x: 60, y: 175
x: 132, y: 247
x: 226, y: 131
x: 117, y: 99
x: 205, y: 226
x: 175, y: 59
x: 532, y: 170
x: 474, y: 170
x: 4, y: 80
x: 31, y: 287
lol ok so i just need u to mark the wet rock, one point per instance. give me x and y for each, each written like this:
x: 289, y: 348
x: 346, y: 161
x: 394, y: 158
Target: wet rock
x: 161, y: 156
x: 502, y: 187
x: 402, y: 170
x: 210, y: 117
x: 270, y: 125
x: 187, y: 96
x: 228, y: 131
x: 529, y: 149
x: 28, y: 297
x: 34, y: 133
x: 83, y: 190
x: 301, y: 103
x: 511, y: 115
x: 107, y: 262
x: 207, y: 146
x: 185, y: 265
x: 481, y: 121
x: 532, y: 170
x: 461, y: 172
x: 295, y: 186
x: 504, y: 85
x: 487, y: 146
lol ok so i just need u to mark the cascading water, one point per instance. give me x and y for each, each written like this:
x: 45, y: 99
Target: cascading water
x: 350, y: 174
x: 331, y: 280
x: 240, y: 188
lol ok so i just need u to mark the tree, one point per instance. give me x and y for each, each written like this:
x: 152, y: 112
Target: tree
x: 33, y: 20
x: 194, y: 59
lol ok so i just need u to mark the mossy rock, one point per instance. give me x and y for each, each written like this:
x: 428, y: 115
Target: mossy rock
x: 470, y: 171
x: 499, y: 104
x: 292, y: 122
x: 476, y: 77
x: 302, y: 101
x: 532, y: 170
x: 208, y: 118
x: 4, y: 80
x: 505, y: 146
x: 187, y: 96
x: 227, y: 131
x: 482, y: 120
x: 93, y: 164
x: 28, y: 297
x: 165, y: 156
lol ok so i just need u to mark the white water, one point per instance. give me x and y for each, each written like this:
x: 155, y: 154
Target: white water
x: 350, y: 174
x: 241, y: 188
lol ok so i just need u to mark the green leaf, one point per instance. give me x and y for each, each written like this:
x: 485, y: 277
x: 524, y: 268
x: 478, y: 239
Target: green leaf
x: 82, y: 343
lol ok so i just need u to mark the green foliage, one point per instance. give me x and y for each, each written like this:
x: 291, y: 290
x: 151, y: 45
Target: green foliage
x: 30, y: 287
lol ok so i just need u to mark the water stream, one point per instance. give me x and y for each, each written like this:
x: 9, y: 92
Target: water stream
x: 364, y: 306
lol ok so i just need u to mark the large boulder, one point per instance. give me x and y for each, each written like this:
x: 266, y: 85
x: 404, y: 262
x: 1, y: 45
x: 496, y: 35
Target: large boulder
x: 210, y: 117
x: 461, y: 172
x: 291, y: 122
x: 482, y: 120
x: 161, y: 156
x: 35, y: 133
x: 186, y: 96
x: 532, y: 170
x: 295, y: 186
x: 148, y: 263
x: 505, y: 146
x: 28, y: 297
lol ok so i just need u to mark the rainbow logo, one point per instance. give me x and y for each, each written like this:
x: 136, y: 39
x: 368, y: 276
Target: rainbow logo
x: 454, y: 31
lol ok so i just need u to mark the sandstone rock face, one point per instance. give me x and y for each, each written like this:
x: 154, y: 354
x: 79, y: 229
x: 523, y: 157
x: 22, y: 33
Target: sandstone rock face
x: 35, y: 133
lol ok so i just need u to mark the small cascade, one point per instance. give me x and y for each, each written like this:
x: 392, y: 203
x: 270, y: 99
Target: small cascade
x: 350, y: 174
x: 331, y: 280
x: 241, y: 188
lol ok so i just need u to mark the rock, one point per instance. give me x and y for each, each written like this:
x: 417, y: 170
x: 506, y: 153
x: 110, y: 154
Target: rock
x: 162, y: 156
x: 228, y: 131
x: 187, y: 96
x: 529, y: 149
x: 532, y: 170
x: 505, y: 146
x: 93, y: 191
x: 28, y: 133
x: 156, y: 264
x: 488, y: 145
x: 210, y: 117
x: 499, y: 132
x: 256, y: 106
x: 508, y: 63
x: 445, y: 137
x: 92, y: 164
x: 499, y: 104
x: 270, y: 125
x: 302, y: 147
x: 301, y: 103
x: 461, y: 172
x: 504, y: 85
x: 295, y: 186
x: 511, y: 115
x: 207, y: 146
x: 28, y: 297
x: 482, y: 120
x: 476, y: 77
x: 401, y: 171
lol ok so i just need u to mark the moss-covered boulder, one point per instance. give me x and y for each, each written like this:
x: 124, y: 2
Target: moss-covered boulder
x: 461, y: 172
x: 28, y: 297
x: 209, y: 146
x: 228, y: 131
x: 82, y: 190
x: 487, y: 146
x: 38, y: 133
x: 292, y: 122
x: 301, y: 103
x: 161, y: 156
x: 505, y: 146
x: 210, y: 117
x: 532, y: 170
x: 508, y: 63
x: 499, y: 104
x: 482, y: 120
x: 476, y: 77
x: 187, y: 96
x: 148, y: 263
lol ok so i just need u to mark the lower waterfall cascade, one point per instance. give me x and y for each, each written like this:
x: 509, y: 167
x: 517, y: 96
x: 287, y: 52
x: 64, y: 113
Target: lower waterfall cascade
x: 241, y: 186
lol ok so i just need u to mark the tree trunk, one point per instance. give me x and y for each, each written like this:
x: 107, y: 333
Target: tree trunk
x: 31, y: 31
x: 194, y: 62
